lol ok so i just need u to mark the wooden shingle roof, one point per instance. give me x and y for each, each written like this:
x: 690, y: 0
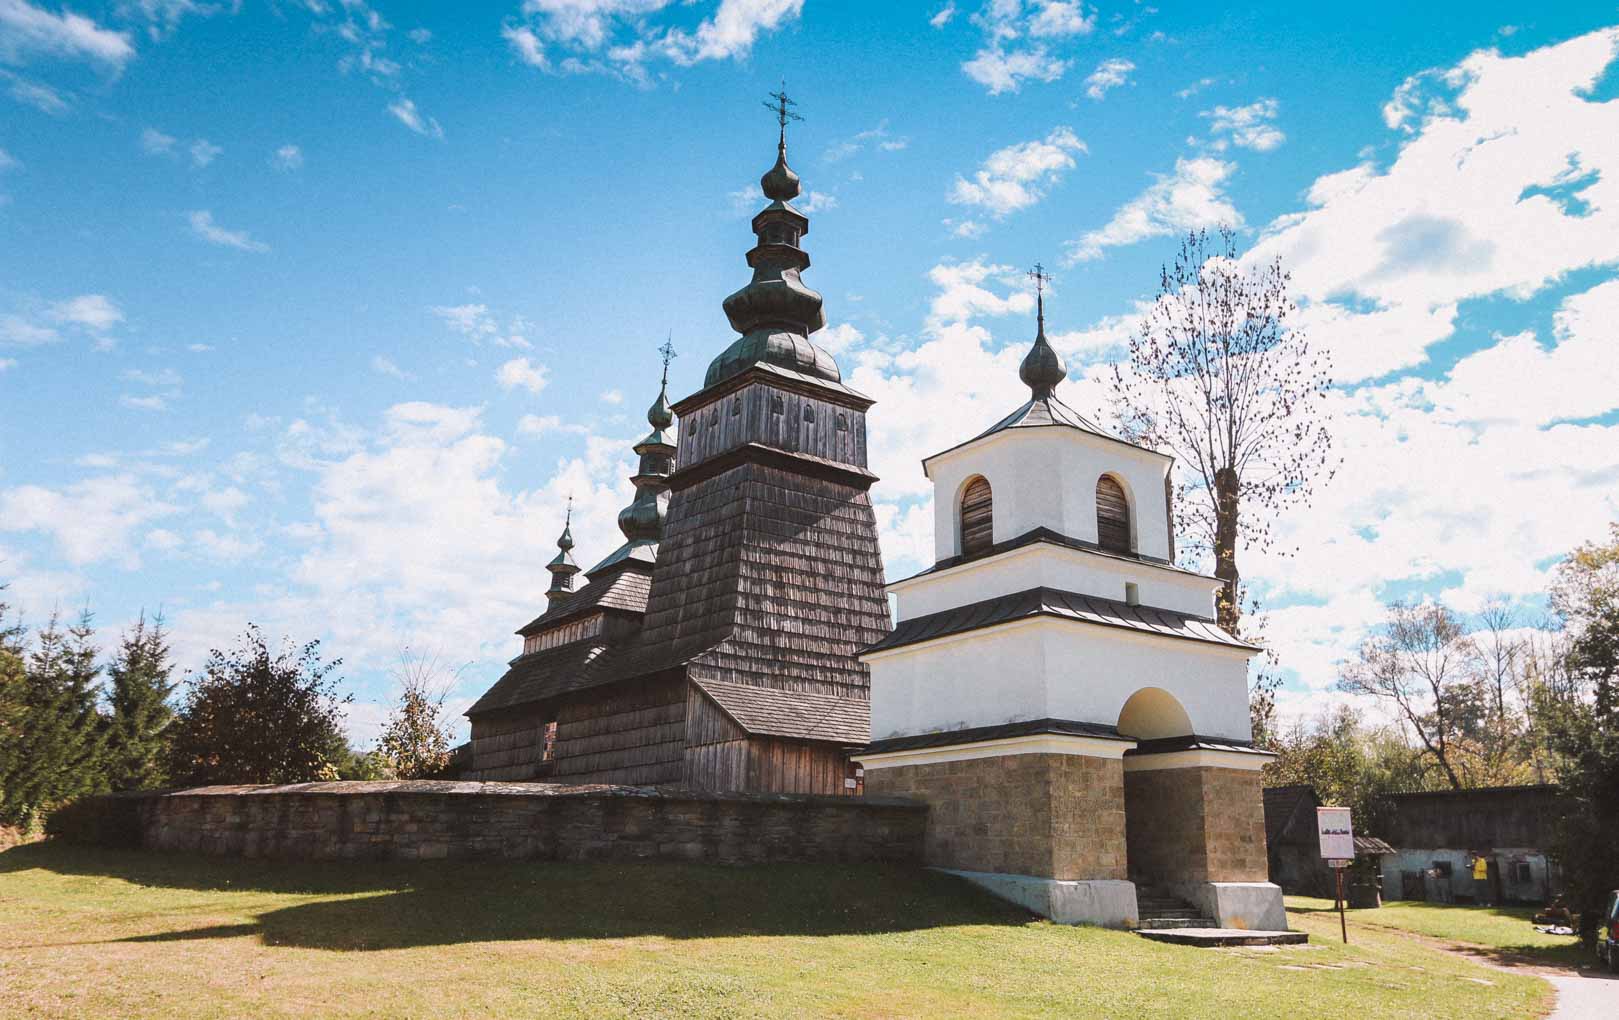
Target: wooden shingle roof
x: 624, y: 590
x: 547, y: 674
x: 802, y: 716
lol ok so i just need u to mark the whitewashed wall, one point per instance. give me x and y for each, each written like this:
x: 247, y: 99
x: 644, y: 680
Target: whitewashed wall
x: 1051, y: 668
x: 1057, y: 567
x: 1046, y: 477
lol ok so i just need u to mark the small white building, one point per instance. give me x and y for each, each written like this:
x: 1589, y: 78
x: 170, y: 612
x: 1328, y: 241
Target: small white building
x: 1058, y: 691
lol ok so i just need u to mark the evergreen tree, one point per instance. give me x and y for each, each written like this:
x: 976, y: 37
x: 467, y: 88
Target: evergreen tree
x: 137, y: 732
x: 254, y: 715
x: 62, y: 730
x: 13, y: 717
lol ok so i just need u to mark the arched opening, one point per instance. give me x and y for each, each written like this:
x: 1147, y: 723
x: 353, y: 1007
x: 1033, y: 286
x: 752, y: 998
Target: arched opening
x: 977, y: 518
x: 1112, y: 515
x: 1153, y: 713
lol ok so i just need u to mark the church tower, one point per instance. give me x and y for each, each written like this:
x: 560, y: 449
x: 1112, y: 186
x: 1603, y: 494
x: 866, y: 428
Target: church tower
x: 1056, y: 687
x: 769, y: 580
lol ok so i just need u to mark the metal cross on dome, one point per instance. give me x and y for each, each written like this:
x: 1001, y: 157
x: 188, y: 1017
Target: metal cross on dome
x: 780, y: 109
x: 1040, y: 277
x: 668, y: 352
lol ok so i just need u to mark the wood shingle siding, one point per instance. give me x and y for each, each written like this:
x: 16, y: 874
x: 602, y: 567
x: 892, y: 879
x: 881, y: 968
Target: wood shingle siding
x: 977, y: 518
x: 1112, y: 516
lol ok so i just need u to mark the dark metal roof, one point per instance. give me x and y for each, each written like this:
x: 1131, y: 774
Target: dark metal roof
x: 1371, y: 846
x: 797, y: 714
x: 1194, y: 742
x: 1045, y: 412
x: 541, y: 675
x: 1062, y: 604
x: 1049, y: 537
x: 624, y: 590
x: 1002, y: 731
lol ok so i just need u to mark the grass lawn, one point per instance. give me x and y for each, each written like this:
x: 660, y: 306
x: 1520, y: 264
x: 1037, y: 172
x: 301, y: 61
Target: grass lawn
x: 100, y: 933
x: 1505, y: 931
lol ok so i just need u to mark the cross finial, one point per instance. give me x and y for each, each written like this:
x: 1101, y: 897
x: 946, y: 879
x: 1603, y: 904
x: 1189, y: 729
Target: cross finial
x: 1040, y: 277
x: 668, y: 352
x: 783, y: 114
x: 567, y: 521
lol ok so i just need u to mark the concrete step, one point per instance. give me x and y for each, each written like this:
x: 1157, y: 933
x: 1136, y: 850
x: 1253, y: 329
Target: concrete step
x: 1212, y: 936
x: 1159, y: 923
x: 1168, y: 911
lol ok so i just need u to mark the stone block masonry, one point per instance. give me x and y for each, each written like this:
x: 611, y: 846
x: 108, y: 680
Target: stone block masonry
x: 1191, y: 825
x: 1055, y: 816
x: 510, y: 821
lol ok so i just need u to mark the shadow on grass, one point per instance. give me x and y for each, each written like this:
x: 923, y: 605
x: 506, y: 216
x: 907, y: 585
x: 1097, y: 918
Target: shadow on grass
x: 392, y: 905
x: 1569, y: 955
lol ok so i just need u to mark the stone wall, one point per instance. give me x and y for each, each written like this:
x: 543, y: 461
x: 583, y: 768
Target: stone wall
x: 1195, y: 824
x: 430, y: 820
x: 1057, y: 816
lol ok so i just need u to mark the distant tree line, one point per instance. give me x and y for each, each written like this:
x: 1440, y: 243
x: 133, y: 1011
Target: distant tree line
x: 73, y: 724
x: 1491, y: 701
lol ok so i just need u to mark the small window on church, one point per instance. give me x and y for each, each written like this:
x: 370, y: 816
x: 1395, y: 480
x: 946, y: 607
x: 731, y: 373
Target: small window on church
x: 548, y: 741
x: 778, y: 405
x: 736, y: 406
x: 1132, y: 594
x: 1112, y: 516
x: 977, y: 518
x: 809, y: 413
x: 843, y: 423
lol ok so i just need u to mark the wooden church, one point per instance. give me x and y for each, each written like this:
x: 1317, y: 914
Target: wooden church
x: 717, y: 648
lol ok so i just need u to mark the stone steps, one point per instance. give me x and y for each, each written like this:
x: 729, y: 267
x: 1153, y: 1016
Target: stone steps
x: 1159, y: 911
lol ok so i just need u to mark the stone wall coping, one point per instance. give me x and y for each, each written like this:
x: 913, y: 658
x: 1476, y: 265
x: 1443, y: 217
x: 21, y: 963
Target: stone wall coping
x: 457, y: 788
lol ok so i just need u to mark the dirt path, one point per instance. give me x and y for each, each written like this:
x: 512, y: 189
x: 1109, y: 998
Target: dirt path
x: 1584, y: 993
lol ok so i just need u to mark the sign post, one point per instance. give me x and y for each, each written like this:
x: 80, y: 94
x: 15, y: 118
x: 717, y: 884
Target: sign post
x: 1336, y: 835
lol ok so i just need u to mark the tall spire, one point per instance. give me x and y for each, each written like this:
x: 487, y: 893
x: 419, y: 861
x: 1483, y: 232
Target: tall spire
x: 775, y: 312
x: 642, y: 521
x: 1042, y: 367
x: 562, y: 567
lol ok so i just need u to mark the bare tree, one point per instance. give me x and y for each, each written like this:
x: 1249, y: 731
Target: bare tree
x: 1219, y: 378
x: 1423, y: 661
x: 415, y: 740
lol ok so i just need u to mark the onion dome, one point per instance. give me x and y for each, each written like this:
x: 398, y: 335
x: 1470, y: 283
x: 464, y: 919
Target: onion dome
x: 562, y: 567
x: 1042, y: 367
x: 775, y: 312
x: 642, y: 521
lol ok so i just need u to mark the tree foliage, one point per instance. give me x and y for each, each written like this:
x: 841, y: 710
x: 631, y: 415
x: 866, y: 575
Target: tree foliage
x: 138, y: 725
x: 58, y: 754
x: 257, y: 715
x: 1219, y: 377
x: 416, y: 740
x: 1582, y: 719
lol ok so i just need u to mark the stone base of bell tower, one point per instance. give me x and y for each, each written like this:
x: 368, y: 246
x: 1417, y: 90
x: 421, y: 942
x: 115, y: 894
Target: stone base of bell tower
x: 1037, y: 820
x: 1195, y: 828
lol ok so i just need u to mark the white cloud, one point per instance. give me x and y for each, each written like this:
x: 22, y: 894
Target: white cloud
x: 1109, y: 74
x: 877, y: 137
x: 288, y: 157
x: 36, y: 94
x: 420, y: 36
x: 204, y: 152
x: 1504, y: 186
x: 1191, y: 197
x: 942, y: 16
x: 27, y: 31
x: 838, y: 339
x: 404, y: 110
x: 613, y: 397
x: 95, y: 312
x: 147, y: 402
x: 1246, y: 127
x: 1007, y: 58
x: 156, y: 143
x: 964, y: 293
x: 478, y: 324
x: 15, y: 329
x: 203, y: 225
x: 166, y: 377
x: 622, y: 36
x: 6, y: 364
x: 1018, y: 176
x: 520, y: 372
x: 164, y: 16
x: 383, y: 365
x: 90, y: 520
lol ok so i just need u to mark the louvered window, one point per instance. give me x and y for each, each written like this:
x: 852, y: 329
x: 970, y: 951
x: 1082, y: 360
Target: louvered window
x: 1112, y: 516
x: 977, y: 519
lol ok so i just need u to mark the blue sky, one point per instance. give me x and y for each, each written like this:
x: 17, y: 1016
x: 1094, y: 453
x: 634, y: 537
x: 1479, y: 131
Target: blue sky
x: 313, y: 313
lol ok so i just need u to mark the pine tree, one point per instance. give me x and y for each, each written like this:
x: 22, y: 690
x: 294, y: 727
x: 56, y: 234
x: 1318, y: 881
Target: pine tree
x: 137, y: 732
x: 13, y: 717
x: 63, y: 733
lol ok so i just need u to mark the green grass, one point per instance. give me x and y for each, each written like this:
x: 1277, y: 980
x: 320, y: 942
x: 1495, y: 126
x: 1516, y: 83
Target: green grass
x: 97, y: 933
x: 1506, y: 931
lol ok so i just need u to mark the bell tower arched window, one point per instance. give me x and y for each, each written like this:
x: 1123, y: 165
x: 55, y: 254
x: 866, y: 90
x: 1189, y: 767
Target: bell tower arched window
x: 1112, y: 516
x: 977, y: 518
